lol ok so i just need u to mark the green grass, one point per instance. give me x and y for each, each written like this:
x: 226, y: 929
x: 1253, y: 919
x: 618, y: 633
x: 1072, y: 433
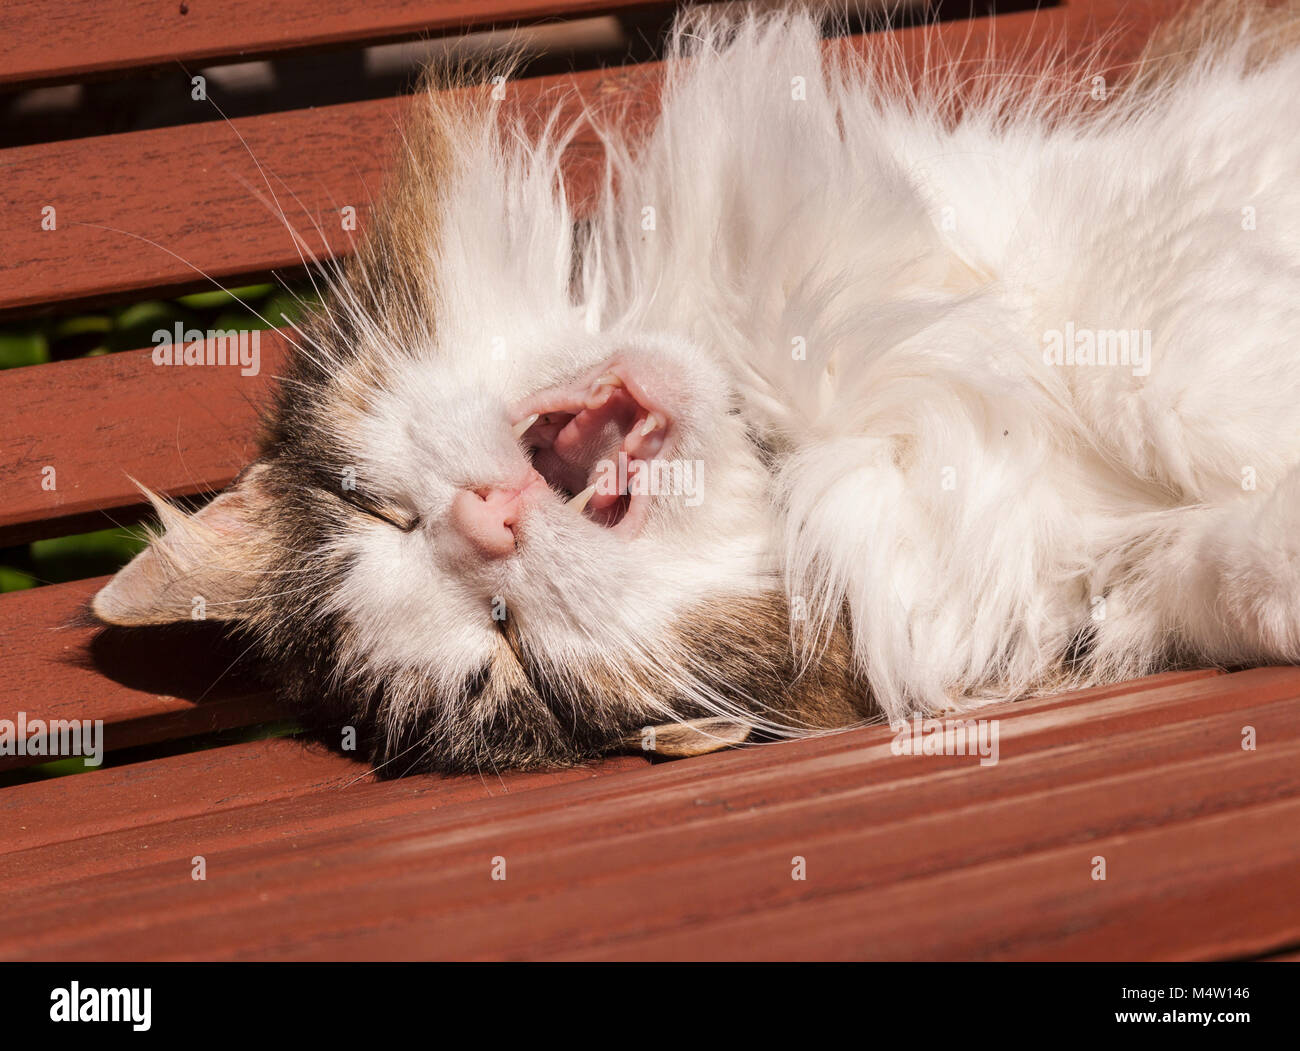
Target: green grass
x: 68, y: 557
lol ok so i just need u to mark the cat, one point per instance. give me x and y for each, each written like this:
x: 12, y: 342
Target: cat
x: 946, y: 403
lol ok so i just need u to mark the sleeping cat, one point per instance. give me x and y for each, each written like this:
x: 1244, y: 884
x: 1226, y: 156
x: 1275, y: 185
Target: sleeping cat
x: 844, y: 403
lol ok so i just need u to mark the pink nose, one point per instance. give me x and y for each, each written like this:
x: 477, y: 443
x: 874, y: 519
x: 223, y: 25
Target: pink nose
x: 487, y: 517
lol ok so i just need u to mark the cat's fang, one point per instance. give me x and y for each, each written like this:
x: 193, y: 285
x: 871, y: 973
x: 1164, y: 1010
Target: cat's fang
x: 520, y: 428
x: 652, y: 423
x: 602, y: 390
x: 579, y: 502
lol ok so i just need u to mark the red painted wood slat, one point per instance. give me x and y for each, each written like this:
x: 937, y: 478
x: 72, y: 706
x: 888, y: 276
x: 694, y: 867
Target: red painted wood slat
x: 128, y: 801
x: 849, y: 778
x: 99, y: 422
x: 46, y: 40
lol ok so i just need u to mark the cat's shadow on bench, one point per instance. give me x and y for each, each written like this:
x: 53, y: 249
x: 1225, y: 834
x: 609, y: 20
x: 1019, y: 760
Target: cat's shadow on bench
x: 202, y: 664
x: 196, y: 662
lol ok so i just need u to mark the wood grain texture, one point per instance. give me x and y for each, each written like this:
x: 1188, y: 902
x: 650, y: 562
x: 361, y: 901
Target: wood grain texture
x: 44, y: 40
x: 128, y: 803
x: 907, y: 856
x: 120, y: 846
x: 167, y: 790
x: 171, y: 208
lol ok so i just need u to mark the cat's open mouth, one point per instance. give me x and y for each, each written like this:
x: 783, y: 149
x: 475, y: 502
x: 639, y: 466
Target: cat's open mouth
x: 592, y: 440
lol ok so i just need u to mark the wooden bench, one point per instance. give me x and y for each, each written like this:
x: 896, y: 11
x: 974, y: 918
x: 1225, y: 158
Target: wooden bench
x: 307, y: 856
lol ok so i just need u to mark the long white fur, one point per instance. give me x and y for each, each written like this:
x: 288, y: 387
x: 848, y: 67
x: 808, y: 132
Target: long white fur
x: 1079, y: 497
x: 870, y: 281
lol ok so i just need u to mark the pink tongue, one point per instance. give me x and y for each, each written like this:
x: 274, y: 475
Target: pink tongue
x: 595, y: 434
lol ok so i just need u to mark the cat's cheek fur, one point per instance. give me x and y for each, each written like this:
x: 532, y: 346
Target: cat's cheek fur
x: 406, y: 614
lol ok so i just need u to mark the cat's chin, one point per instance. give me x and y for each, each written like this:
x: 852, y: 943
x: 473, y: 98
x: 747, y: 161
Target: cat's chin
x: 599, y: 443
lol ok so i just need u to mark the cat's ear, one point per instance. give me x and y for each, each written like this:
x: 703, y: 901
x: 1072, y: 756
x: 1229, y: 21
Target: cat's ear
x: 202, y: 567
x: 690, y: 737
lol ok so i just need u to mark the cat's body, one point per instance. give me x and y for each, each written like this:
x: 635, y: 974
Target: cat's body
x: 847, y: 325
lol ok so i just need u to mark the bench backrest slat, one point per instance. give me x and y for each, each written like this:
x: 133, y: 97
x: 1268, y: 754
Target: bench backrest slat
x: 45, y: 40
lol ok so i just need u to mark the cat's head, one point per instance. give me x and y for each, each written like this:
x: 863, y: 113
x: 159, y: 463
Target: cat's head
x: 488, y: 527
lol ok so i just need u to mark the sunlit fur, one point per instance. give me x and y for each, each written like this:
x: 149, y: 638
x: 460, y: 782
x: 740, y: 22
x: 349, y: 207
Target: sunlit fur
x: 844, y: 296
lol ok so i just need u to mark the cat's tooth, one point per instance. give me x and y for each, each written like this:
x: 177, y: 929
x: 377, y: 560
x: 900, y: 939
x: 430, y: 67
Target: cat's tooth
x: 602, y: 390
x: 651, y: 424
x: 579, y: 502
x: 523, y: 425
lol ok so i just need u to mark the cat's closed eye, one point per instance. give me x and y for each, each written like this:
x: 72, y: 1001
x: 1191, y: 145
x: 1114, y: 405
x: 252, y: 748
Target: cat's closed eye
x: 384, y: 511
